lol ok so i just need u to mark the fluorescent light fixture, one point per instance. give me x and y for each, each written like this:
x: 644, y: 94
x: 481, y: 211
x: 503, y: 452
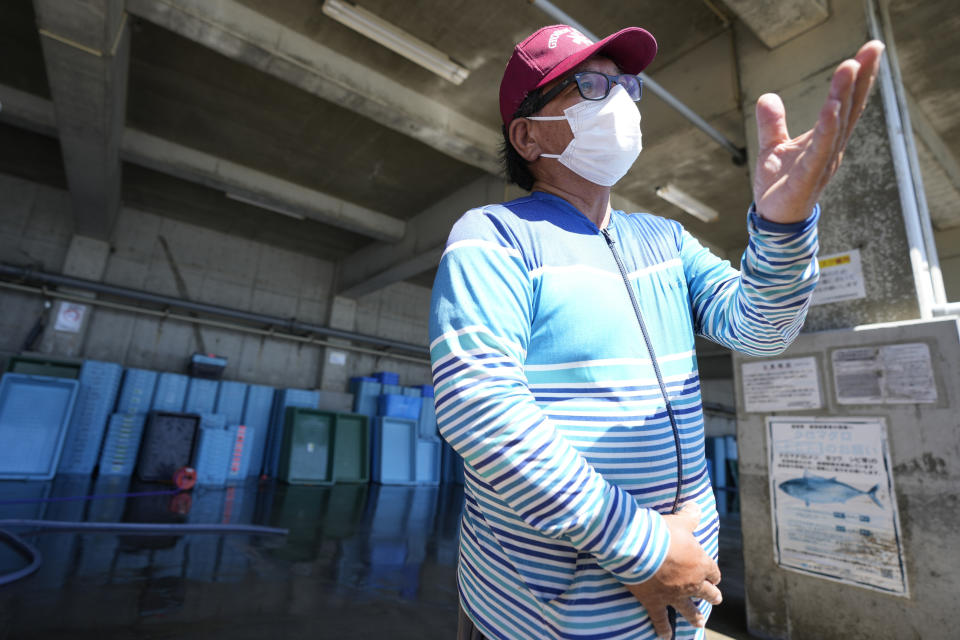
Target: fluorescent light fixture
x: 264, y: 205
x: 688, y: 203
x: 382, y: 32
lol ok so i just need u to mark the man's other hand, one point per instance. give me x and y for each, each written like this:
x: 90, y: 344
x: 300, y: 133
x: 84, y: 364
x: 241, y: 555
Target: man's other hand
x: 791, y: 173
x: 688, y: 572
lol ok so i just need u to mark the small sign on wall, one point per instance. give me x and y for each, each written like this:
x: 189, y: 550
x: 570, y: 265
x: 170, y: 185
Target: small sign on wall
x: 70, y: 317
x: 841, y: 278
x: 781, y: 385
x: 887, y: 374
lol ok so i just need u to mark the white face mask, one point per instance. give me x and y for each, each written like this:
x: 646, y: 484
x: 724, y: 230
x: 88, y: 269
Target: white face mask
x: 606, y: 137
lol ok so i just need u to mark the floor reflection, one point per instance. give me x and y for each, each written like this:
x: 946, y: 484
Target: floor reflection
x: 360, y: 561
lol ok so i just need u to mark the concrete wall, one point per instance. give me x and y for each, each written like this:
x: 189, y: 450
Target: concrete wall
x: 924, y: 441
x: 36, y: 227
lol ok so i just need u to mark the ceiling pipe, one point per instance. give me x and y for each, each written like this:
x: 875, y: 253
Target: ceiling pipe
x: 737, y: 154
x: 288, y: 324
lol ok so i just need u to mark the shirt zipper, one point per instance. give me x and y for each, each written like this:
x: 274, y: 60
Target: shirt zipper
x: 611, y: 243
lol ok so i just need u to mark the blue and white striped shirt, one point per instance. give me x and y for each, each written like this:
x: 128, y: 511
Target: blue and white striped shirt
x: 545, y: 387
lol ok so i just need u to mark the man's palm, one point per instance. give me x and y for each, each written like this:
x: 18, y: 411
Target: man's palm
x: 791, y: 173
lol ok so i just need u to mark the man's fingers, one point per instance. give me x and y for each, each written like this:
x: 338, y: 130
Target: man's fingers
x: 691, y: 512
x: 771, y: 121
x: 688, y: 610
x: 710, y: 593
x: 869, y: 59
x: 713, y: 573
x: 660, y: 620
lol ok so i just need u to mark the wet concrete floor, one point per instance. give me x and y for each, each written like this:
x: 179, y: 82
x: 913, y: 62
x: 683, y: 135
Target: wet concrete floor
x: 360, y: 561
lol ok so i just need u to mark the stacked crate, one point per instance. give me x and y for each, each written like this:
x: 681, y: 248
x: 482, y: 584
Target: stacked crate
x: 405, y: 446
x: 122, y: 443
x: 99, y: 385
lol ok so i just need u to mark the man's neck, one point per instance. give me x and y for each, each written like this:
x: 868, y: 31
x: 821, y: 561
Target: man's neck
x: 591, y: 200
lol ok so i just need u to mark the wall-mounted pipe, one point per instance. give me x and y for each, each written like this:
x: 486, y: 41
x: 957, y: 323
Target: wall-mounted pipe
x: 737, y: 154
x: 288, y: 324
x: 919, y: 259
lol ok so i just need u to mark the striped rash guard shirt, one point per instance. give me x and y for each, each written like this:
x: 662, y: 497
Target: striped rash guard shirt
x: 544, y: 385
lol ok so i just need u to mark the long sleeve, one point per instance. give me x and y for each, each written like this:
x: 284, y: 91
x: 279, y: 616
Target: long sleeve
x: 760, y: 309
x: 483, y: 307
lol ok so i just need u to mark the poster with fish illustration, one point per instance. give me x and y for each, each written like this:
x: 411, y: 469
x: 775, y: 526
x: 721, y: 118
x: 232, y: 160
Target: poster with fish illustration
x: 834, y: 508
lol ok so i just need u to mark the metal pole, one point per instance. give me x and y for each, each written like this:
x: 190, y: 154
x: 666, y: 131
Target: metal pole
x: 905, y: 186
x: 290, y: 324
x: 926, y: 227
x: 738, y: 154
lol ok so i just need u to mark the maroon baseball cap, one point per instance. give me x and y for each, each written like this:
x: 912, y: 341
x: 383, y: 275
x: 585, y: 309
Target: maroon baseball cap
x: 553, y: 51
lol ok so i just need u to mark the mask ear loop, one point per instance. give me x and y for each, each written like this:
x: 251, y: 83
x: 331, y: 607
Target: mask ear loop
x: 547, y: 155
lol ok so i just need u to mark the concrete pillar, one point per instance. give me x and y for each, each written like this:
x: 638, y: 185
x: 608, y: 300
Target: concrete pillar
x: 68, y: 322
x: 334, y: 363
x: 86, y: 47
x: 861, y: 206
x: 861, y: 210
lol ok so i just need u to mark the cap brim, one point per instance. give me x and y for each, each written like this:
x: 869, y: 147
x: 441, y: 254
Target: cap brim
x: 631, y: 49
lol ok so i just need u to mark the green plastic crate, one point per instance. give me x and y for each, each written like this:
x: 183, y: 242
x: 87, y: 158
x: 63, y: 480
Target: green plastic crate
x: 351, y: 448
x: 306, y: 454
x: 41, y: 366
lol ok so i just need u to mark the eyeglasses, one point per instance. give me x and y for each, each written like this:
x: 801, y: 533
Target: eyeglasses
x: 594, y: 85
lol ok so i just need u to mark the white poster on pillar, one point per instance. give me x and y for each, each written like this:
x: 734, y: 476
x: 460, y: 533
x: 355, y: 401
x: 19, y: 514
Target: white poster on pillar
x: 834, y: 508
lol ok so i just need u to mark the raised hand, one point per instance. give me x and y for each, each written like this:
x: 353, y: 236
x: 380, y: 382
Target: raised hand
x: 791, y: 173
x: 688, y: 572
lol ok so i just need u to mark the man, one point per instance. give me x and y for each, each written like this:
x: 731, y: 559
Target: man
x: 562, y: 341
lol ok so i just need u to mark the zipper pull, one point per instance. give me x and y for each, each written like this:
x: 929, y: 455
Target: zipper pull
x: 606, y: 234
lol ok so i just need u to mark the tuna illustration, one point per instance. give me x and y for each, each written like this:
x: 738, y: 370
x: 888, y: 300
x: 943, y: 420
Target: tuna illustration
x: 811, y: 488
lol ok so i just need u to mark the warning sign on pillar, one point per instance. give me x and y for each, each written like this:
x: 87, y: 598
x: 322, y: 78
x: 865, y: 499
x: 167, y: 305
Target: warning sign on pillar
x: 841, y: 278
x: 70, y: 317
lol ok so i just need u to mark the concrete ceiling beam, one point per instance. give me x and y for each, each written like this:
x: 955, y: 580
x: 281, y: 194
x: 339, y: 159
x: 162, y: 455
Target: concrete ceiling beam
x: 256, y: 187
x: 37, y: 114
x: 777, y: 22
x: 249, y: 37
x: 86, y: 49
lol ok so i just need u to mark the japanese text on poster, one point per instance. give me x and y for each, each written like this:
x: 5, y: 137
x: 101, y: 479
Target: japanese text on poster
x: 891, y: 374
x: 834, y: 508
x: 841, y: 278
x: 781, y: 385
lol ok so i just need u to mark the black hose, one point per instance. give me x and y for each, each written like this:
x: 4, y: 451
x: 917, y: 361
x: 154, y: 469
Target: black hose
x: 26, y: 550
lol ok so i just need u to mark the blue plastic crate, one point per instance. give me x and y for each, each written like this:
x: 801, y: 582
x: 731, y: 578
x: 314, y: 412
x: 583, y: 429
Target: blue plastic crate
x: 171, y: 393
x: 392, y: 389
x: 412, y: 392
x: 256, y: 415
x: 427, y: 420
x: 365, y: 391
x: 387, y: 377
x: 201, y: 396
x: 238, y: 467
x: 230, y: 401
x: 96, y: 396
x: 122, y: 444
x: 426, y: 390
x: 35, y: 412
x: 398, y: 406
x: 428, y: 462
x: 394, y: 451
x: 285, y: 398
x: 451, y: 465
x: 214, y: 450
x: 136, y: 392
x: 213, y: 421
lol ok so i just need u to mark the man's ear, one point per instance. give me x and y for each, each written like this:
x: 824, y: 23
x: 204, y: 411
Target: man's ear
x: 523, y: 138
